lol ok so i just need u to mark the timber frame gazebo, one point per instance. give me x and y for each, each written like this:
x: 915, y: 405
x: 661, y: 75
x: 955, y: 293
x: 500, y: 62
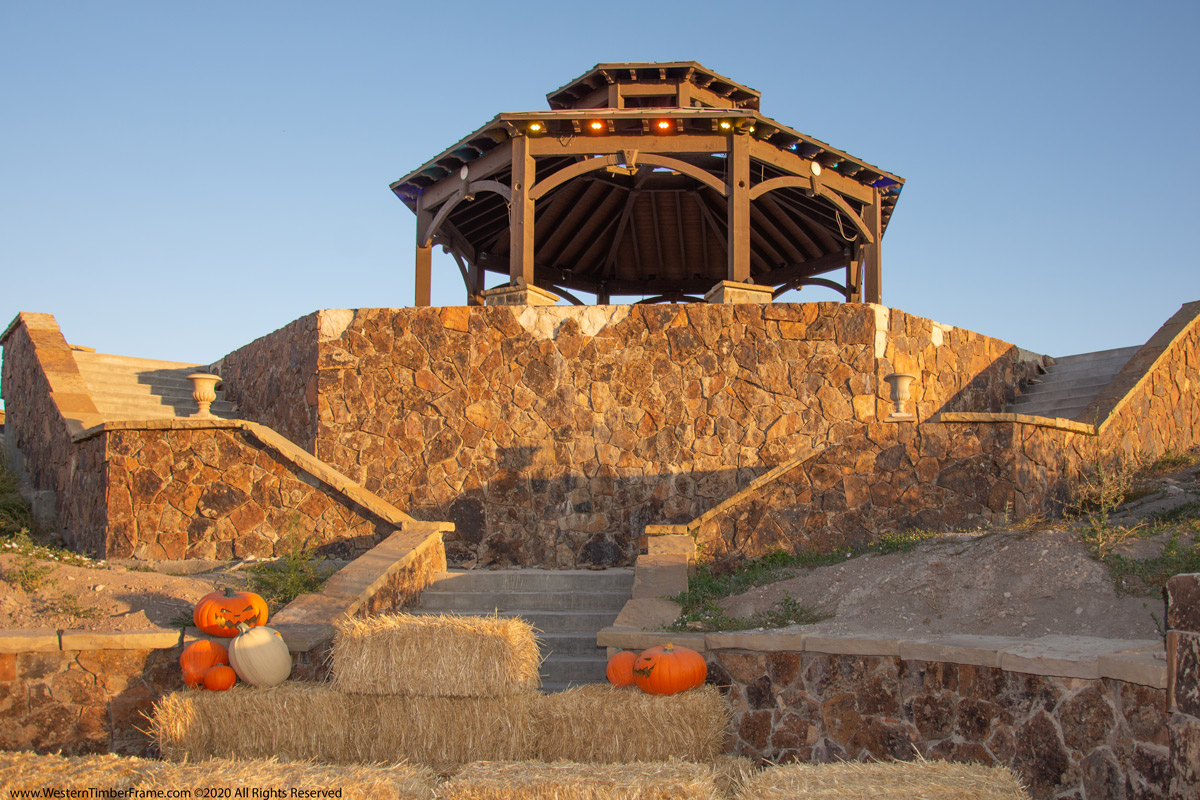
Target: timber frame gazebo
x: 659, y: 180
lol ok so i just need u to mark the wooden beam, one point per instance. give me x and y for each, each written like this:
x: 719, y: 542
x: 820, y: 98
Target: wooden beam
x: 873, y: 255
x: 565, y: 174
x: 684, y: 168
x: 764, y: 231
x: 602, y: 145
x: 520, y: 214
x: 738, y: 208
x: 491, y: 162
x: 683, y: 258
x: 817, y: 228
x: 802, y: 182
x: 792, y: 232
x: 475, y: 284
x: 798, y: 165
x: 859, y: 224
x: 423, y: 293
x: 580, y: 210
x: 813, y: 266
x: 799, y: 282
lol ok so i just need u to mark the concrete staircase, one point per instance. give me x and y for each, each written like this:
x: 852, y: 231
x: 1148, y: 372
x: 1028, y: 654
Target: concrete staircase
x: 125, y: 388
x: 567, y: 607
x: 1071, y: 383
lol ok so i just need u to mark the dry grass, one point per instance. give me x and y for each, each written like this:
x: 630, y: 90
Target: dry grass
x: 443, y: 732
x: 604, y: 724
x: 563, y: 780
x: 851, y: 780
x: 293, y: 721
x: 21, y: 770
x: 435, y: 656
x: 395, y: 782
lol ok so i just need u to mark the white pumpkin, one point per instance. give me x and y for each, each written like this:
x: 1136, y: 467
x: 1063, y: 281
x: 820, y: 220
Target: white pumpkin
x: 259, y: 656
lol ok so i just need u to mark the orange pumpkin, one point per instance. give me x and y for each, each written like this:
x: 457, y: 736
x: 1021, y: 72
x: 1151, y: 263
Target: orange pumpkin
x: 219, y: 613
x: 220, y: 678
x: 199, y: 657
x: 667, y: 669
x: 620, y: 668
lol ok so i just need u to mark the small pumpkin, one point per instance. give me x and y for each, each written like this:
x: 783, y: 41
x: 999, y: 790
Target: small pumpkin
x: 199, y: 657
x: 220, y: 678
x: 259, y: 656
x: 219, y: 613
x: 667, y: 669
x: 620, y: 668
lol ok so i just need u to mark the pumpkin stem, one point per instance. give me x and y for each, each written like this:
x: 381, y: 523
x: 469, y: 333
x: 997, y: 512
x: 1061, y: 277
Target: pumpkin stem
x: 242, y: 627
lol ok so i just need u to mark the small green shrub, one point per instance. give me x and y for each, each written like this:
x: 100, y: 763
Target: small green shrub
x: 282, y: 581
x: 28, y: 574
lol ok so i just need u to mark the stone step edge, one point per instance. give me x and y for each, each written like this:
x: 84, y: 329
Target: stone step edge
x: 1139, y: 661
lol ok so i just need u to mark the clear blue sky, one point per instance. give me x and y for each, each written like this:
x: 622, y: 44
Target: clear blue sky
x: 179, y: 178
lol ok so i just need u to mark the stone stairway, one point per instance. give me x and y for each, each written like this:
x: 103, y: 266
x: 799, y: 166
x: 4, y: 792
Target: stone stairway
x: 567, y: 607
x: 1071, y: 383
x: 125, y: 388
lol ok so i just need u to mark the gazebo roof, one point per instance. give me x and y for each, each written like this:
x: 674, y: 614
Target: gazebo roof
x: 660, y: 230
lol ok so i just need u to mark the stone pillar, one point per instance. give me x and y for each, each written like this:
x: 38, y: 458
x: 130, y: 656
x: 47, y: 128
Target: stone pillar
x: 1183, y: 683
x: 519, y: 295
x: 733, y: 292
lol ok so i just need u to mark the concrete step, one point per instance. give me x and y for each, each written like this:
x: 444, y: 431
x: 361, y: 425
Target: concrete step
x: 1051, y: 393
x: 574, y: 670
x: 132, y: 363
x: 573, y: 643
x: 548, y: 580
x: 136, y: 383
x: 545, y: 621
x: 1080, y: 360
x: 462, y: 602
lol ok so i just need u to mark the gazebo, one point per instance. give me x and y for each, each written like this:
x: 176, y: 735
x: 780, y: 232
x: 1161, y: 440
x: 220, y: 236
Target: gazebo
x: 662, y: 181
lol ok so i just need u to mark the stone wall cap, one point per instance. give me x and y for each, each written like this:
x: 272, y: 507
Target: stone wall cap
x: 762, y: 641
x: 979, y: 651
x: 149, y: 639
x: 1065, y: 656
x: 852, y: 645
x: 29, y: 640
x: 647, y: 614
x: 304, y: 637
x: 1145, y: 666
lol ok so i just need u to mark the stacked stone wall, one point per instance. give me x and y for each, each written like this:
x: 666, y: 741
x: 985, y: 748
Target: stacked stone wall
x: 215, y: 493
x: 273, y: 380
x: 1183, y: 653
x: 553, y: 435
x: 1064, y: 737
x: 34, y: 349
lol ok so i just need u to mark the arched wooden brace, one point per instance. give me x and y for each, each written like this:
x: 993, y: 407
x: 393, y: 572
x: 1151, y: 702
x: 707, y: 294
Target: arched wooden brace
x: 561, y: 292
x: 424, y: 238
x: 652, y: 159
x: 796, y: 284
x: 820, y: 190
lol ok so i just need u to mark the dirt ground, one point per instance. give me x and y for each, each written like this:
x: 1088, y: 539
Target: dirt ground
x: 996, y: 584
x: 108, y: 597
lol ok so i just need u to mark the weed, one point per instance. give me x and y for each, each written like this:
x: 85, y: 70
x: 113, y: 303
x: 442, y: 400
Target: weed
x: 15, y: 515
x: 1102, y: 487
x: 1182, y: 513
x: 711, y: 617
x: 22, y: 543
x: 1147, y: 576
x: 901, y: 541
x: 1171, y: 461
x: 67, y: 605
x: 27, y: 574
x: 282, y: 580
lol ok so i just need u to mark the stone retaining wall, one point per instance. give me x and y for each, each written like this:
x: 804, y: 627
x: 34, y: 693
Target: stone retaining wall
x: 553, y: 435
x: 82, y: 692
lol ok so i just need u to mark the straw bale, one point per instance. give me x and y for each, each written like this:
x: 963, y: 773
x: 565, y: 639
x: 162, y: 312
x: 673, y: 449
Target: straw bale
x: 899, y: 780
x: 605, y: 724
x: 24, y: 770
x: 393, y: 782
x: 435, y: 656
x: 564, y: 780
x: 294, y: 721
x: 731, y: 772
x: 443, y: 732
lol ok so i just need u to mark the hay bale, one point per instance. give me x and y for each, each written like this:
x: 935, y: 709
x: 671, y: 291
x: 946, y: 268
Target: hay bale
x: 604, y: 724
x: 23, y: 770
x: 531, y: 780
x: 395, y: 782
x: 899, y: 780
x: 295, y: 721
x: 435, y: 656
x: 443, y: 732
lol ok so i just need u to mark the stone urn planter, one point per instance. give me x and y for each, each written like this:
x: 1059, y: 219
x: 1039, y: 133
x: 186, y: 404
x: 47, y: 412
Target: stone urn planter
x: 900, y: 383
x: 204, y: 391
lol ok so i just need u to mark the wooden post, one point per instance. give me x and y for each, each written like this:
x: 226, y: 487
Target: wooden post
x: 424, y: 260
x: 873, y: 256
x: 475, y: 284
x: 854, y: 288
x: 738, y: 197
x: 520, y: 214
